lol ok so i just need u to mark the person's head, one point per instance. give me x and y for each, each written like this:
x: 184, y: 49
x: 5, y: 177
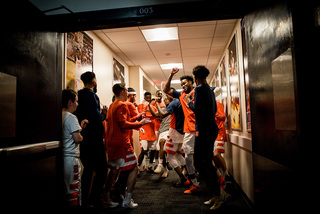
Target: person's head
x: 69, y: 100
x: 186, y: 83
x: 120, y: 91
x: 167, y: 101
x: 131, y: 95
x: 147, y: 96
x: 159, y: 93
x: 200, y: 72
x: 89, y: 80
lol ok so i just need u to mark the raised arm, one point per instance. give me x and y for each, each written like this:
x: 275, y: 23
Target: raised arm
x: 162, y: 113
x: 167, y: 87
x: 155, y: 114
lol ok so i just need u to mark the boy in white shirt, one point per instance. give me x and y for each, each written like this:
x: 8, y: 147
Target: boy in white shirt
x: 71, y: 139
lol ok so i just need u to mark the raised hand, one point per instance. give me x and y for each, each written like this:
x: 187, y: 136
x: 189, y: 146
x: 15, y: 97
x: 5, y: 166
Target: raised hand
x: 174, y: 70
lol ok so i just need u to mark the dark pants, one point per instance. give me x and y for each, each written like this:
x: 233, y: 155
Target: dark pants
x: 203, y: 156
x: 93, y: 158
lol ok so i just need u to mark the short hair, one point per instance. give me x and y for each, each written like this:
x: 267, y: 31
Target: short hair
x: 87, y: 77
x: 187, y: 77
x: 131, y: 90
x: 117, y: 88
x: 147, y: 93
x: 200, y: 72
x: 68, y: 94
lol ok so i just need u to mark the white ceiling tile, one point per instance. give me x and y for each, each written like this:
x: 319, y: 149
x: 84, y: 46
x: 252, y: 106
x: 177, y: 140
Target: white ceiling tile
x: 195, y: 43
x: 170, y: 60
x: 188, y: 66
x: 220, y: 41
x: 155, y: 73
x: 196, y: 59
x: 129, y: 63
x: 126, y: 36
x: 164, y: 45
x: 214, y: 59
x: 134, y: 47
x: 114, y: 48
x: 196, y: 52
x: 217, y: 50
x: 144, y: 61
x: 192, y: 32
x: 224, y: 30
x: 167, y: 53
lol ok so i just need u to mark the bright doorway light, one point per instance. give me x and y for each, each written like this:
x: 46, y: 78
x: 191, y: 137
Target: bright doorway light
x: 169, y: 66
x: 161, y: 34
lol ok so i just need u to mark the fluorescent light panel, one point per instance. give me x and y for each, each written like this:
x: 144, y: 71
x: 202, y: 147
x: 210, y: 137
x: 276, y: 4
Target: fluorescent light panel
x: 161, y: 34
x: 169, y: 66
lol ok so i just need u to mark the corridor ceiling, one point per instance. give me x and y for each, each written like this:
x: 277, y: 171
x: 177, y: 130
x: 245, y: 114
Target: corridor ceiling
x: 199, y: 43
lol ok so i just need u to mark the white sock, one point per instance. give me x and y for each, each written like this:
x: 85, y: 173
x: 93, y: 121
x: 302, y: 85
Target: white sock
x: 195, y: 182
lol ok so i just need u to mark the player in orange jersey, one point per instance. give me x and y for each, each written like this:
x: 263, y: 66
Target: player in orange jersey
x: 189, y: 124
x: 121, y: 156
x: 218, y: 149
x: 157, y: 123
x: 147, y: 135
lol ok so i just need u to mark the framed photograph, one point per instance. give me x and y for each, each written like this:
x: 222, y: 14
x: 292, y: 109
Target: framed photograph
x: 246, y: 76
x: 118, y: 72
x: 223, y: 84
x: 79, y: 58
x: 234, y: 85
x: 216, y: 80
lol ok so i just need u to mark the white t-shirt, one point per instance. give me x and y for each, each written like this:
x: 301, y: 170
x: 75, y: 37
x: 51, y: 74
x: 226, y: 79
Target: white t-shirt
x: 70, y: 124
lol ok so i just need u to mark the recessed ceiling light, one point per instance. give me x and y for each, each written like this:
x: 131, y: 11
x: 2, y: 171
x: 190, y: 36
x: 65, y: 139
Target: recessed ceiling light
x: 161, y: 34
x: 175, y: 81
x: 169, y: 66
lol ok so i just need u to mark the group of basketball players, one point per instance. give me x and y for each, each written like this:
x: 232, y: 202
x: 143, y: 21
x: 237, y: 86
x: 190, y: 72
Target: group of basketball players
x: 185, y: 129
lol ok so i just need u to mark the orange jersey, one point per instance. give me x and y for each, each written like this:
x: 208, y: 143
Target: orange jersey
x: 132, y: 109
x: 157, y: 121
x: 189, y: 116
x: 133, y: 112
x: 149, y: 130
x: 220, y: 118
x: 105, y: 125
x: 118, y: 134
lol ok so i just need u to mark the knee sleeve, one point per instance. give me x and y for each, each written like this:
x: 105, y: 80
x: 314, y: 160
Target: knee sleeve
x: 181, y: 159
x: 189, y: 164
x: 173, y: 161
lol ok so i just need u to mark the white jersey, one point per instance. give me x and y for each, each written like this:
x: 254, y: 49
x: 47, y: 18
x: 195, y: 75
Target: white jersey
x: 70, y: 124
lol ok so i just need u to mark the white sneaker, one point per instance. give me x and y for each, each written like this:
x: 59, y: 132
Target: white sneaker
x: 165, y: 173
x: 111, y: 204
x: 129, y: 204
x: 159, y: 169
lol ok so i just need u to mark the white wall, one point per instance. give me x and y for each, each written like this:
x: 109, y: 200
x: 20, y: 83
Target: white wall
x: 103, y: 68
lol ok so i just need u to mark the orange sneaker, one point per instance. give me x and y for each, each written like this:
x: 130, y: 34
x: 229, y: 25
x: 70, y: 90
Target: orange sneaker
x: 193, y: 189
x: 187, y: 183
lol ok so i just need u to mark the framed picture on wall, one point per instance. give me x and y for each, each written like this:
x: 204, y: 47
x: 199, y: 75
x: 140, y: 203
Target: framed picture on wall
x: 216, y: 80
x: 118, y: 72
x: 234, y: 85
x: 223, y: 85
x: 79, y: 58
x: 246, y: 76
